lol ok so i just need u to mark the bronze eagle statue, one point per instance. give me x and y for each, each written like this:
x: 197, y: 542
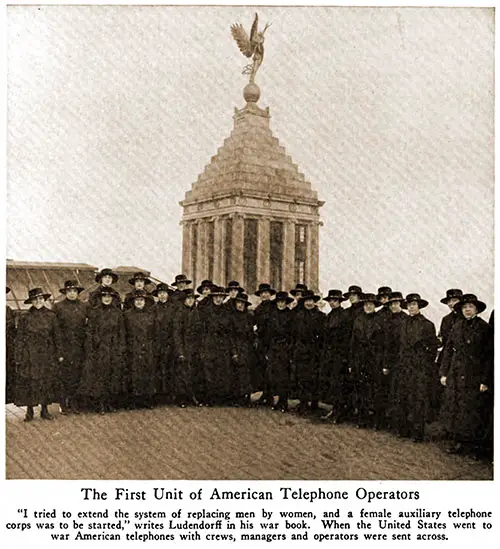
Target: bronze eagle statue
x: 250, y: 46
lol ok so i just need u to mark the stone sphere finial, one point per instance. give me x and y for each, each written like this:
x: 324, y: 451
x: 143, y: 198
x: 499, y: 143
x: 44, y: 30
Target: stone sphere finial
x: 251, y: 93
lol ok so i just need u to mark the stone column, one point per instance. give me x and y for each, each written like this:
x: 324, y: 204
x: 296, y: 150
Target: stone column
x: 219, y: 250
x: 313, y: 253
x: 238, y: 243
x: 201, y: 253
x: 186, y: 249
x: 288, y: 254
x: 263, y: 251
x: 309, y: 258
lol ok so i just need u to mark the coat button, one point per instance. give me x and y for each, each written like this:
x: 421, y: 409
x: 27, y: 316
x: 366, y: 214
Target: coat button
x: 468, y: 342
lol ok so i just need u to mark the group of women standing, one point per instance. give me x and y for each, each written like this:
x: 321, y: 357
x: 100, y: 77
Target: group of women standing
x: 378, y: 362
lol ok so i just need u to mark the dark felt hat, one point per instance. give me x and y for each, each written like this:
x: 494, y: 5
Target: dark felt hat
x: 162, y: 287
x: 35, y: 292
x: 309, y: 294
x: 453, y: 292
x: 370, y: 298
x: 335, y: 294
x: 189, y: 292
x: 204, y: 284
x: 234, y: 285
x: 108, y: 291
x: 299, y: 288
x: 470, y: 298
x: 181, y: 278
x: 217, y: 290
x: 384, y: 291
x: 353, y: 290
x: 414, y: 297
x: 396, y: 296
x: 71, y: 285
x: 265, y: 287
x: 243, y: 297
x: 104, y: 272
x: 141, y: 293
x: 283, y: 296
x: 139, y: 276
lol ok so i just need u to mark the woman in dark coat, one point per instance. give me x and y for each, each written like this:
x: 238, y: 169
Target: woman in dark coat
x: 466, y: 373
x: 215, y: 349
x: 243, y: 351
x: 37, y: 353
x: 71, y: 316
x: 366, y: 353
x: 10, y: 341
x: 307, y: 334
x: 334, y: 374
x: 277, y: 348
x: 418, y: 347
x: 105, y: 278
x: 140, y: 332
x: 188, y: 381
x: 103, y: 377
x: 164, y: 318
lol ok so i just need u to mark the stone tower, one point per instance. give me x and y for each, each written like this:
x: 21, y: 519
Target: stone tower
x: 251, y: 215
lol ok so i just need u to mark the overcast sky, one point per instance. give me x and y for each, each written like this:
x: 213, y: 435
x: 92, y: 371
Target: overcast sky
x: 113, y: 112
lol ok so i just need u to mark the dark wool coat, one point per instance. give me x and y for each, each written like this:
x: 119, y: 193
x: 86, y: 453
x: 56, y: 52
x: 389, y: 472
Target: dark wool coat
x: 164, y: 319
x: 128, y: 301
x: 334, y: 355
x: 447, y: 323
x: 10, y: 363
x: 95, y: 298
x: 72, y: 320
x: 243, y: 347
x: 467, y: 363
x: 37, y: 350
x: 177, y: 299
x: 307, y: 334
x: 261, y: 316
x: 140, y: 332
x: 392, y: 343
x: 418, y: 346
x: 104, y: 373
x: 204, y: 303
x: 365, y: 358
x: 278, y: 347
x: 187, y: 377
x: 351, y: 314
x: 215, y: 350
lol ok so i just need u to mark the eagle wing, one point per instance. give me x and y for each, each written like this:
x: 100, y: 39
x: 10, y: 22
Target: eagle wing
x: 241, y: 37
x: 253, y: 31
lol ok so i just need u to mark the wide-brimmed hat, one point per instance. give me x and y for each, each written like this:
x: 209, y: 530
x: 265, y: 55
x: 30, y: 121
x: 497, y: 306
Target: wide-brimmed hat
x: 370, y: 298
x: 141, y: 293
x: 104, y: 272
x: 71, y: 285
x: 265, y: 287
x: 453, y: 292
x: 162, y: 287
x: 335, y: 294
x: 283, y: 296
x: 181, y: 278
x: 309, y: 294
x: 234, y: 285
x: 299, y: 288
x: 139, y: 276
x: 353, y: 290
x: 384, y: 291
x: 204, y: 284
x: 108, y: 291
x: 35, y: 292
x: 217, y: 290
x: 189, y: 292
x: 470, y: 298
x: 414, y: 297
x: 243, y: 297
x: 396, y: 296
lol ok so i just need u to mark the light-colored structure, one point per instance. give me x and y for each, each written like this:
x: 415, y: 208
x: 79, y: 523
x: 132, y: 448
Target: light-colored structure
x: 251, y: 215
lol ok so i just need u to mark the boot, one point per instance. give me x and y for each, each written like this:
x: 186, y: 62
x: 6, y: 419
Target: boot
x: 29, y: 413
x: 44, y: 413
x: 64, y: 409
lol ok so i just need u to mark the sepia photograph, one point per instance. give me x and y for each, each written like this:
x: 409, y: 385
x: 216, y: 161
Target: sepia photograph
x: 249, y: 243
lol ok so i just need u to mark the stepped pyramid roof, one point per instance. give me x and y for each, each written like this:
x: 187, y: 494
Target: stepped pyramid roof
x: 251, y: 162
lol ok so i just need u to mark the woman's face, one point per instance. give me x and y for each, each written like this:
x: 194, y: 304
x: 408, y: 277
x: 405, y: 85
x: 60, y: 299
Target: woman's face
x: 281, y: 304
x: 240, y: 305
x: 163, y: 296
x: 309, y: 303
x: 469, y: 310
x: 233, y: 292
x: 38, y: 302
x: 395, y: 306
x: 413, y: 308
x: 72, y: 294
x: 369, y: 307
x: 218, y: 299
x: 139, y: 302
x: 452, y: 302
x: 334, y: 303
x: 107, y: 280
x: 139, y: 284
x: 189, y: 301
x: 205, y: 290
x: 107, y: 299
